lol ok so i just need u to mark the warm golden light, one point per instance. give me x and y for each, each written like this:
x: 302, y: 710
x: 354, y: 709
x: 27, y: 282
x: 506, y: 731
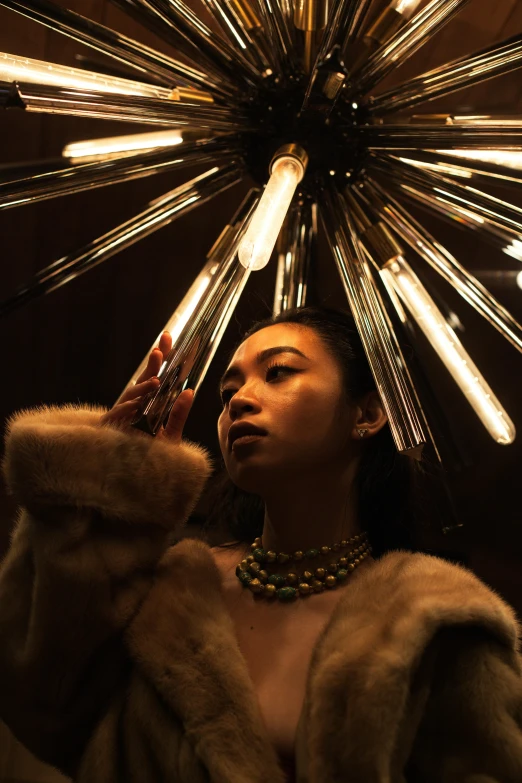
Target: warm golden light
x: 509, y: 158
x: 119, y: 146
x: 257, y: 245
x: 24, y: 69
x: 451, y: 351
x: 406, y: 8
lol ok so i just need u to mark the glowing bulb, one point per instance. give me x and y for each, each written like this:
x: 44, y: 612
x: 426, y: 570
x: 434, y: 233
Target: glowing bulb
x: 519, y: 279
x: 406, y: 7
x: 24, y: 69
x: 257, y: 245
x: 510, y: 158
x: 448, y: 346
x: 118, y: 146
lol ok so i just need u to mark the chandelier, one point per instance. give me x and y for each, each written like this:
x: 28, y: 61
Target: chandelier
x: 284, y: 93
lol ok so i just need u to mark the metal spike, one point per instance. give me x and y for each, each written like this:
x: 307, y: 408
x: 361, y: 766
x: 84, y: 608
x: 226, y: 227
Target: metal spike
x: 435, y: 254
x: 158, y: 213
x: 36, y: 186
x: 181, y: 26
x: 463, y: 72
x: 296, y: 248
x: 382, y: 350
x: 187, y: 362
x: 470, y: 171
x: 114, y: 44
x: 419, y: 29
x: 448, y: 133
x: 126, y: 108
x: 462, y: 196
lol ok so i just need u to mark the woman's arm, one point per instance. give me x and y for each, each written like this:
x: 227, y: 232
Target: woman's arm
x: 99, y: 506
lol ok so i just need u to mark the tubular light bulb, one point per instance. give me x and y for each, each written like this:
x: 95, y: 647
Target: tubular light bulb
x: 510, y: 158
x: 24, y: 69
x: 406, y: 8
x: 257, y: 244
x: 448, y: 346
x: 116, y: 146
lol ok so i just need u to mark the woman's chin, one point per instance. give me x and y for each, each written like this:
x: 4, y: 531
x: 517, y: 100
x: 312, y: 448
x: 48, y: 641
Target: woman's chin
x: 253, y: 478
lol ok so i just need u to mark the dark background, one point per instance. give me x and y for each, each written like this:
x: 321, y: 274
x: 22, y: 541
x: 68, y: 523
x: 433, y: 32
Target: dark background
x: 82, y: 342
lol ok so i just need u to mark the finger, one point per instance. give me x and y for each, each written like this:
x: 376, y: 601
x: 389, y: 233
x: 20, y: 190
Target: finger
x: 140, y: 389
x: 121, y: 412
x: 165, y: 343
x: 178, y: 416
x: 153, y: 365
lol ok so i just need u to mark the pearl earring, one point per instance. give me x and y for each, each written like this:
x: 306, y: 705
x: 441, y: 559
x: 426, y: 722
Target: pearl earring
x: 362, y: 433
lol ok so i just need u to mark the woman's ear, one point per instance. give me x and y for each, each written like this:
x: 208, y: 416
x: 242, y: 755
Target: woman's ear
x: 370, y: 416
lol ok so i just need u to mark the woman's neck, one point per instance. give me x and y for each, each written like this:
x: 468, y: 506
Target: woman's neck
x: 306, y: 514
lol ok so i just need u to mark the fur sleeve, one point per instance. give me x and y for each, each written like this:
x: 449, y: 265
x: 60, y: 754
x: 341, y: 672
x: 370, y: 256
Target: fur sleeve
x: 62, y: 456
x: 98, y: 506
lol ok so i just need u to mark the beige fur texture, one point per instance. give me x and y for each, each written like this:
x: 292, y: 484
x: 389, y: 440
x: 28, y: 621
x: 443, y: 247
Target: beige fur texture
x: 119, y: 661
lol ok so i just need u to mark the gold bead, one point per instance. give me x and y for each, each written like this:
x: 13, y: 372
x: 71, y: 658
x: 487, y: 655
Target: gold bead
x: 357, y: 538
x: 244, y: 565
x: 254, y: 568
x: 332, y: 568
x: 351, y: 567
x: 262, y: 575
x: 304, y: 588
x: 308, y: 575
x: 320, y: 573
x: 270, y: 591
x: 344, y: 543
x: 330, y: 581
x: 325, y: 550
x: 291, y: 579
x: 250, y: 559
x: 336, y: 547
x: 256, y: 586
x: 317, y: 586
x: 298, y: 556
x: 271, y: 556
x: 356, y: 561
x: 343, y: 562
x: 283, y: 557
x: 253, y: 547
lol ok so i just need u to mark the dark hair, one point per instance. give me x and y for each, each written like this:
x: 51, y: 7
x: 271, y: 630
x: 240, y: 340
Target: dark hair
x: 385, y: 479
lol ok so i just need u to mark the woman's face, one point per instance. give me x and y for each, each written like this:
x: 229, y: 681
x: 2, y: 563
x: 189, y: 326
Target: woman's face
x: 283, y: 380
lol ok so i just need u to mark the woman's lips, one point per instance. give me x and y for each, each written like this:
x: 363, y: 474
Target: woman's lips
x: 245, y: 439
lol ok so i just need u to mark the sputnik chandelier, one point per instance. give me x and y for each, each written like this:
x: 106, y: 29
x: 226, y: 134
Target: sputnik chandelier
x: 284, y: 94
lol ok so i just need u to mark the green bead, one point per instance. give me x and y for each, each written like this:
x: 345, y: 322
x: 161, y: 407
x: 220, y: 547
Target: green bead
x: 259, y: 555
x: 311, y: 553
x: 286, y: 593
x: 341, y: 574
x: 245, y: 578
x: 276, y: 579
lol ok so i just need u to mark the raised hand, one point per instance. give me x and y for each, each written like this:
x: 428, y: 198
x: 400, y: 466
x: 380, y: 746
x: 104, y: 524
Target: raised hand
x: 126, y: 409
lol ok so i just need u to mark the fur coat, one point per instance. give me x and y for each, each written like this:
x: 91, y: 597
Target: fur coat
x: 119, y: 661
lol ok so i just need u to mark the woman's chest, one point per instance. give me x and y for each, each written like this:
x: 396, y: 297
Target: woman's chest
x: 277, y: 642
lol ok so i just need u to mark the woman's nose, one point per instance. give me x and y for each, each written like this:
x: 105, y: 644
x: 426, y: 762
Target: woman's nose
x: 242, y: 401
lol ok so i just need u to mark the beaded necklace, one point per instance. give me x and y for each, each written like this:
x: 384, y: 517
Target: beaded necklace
x: 251, y: 574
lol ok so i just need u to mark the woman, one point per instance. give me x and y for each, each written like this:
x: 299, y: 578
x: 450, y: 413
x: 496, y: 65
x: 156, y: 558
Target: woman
x: 126, y: 659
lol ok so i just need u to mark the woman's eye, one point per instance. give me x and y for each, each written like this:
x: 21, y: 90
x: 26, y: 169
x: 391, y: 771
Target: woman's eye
x: 274, y: 368
x: 271, y: 372
x: 226, y: 394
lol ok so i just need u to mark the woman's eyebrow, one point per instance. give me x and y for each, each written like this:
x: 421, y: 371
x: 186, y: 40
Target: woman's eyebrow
x: 233, y: 371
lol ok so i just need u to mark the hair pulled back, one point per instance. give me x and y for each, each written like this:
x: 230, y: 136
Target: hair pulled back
x: 385, y: 479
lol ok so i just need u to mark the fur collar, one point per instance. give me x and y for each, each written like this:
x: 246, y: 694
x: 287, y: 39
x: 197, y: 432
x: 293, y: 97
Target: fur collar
x: 366, y: 659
